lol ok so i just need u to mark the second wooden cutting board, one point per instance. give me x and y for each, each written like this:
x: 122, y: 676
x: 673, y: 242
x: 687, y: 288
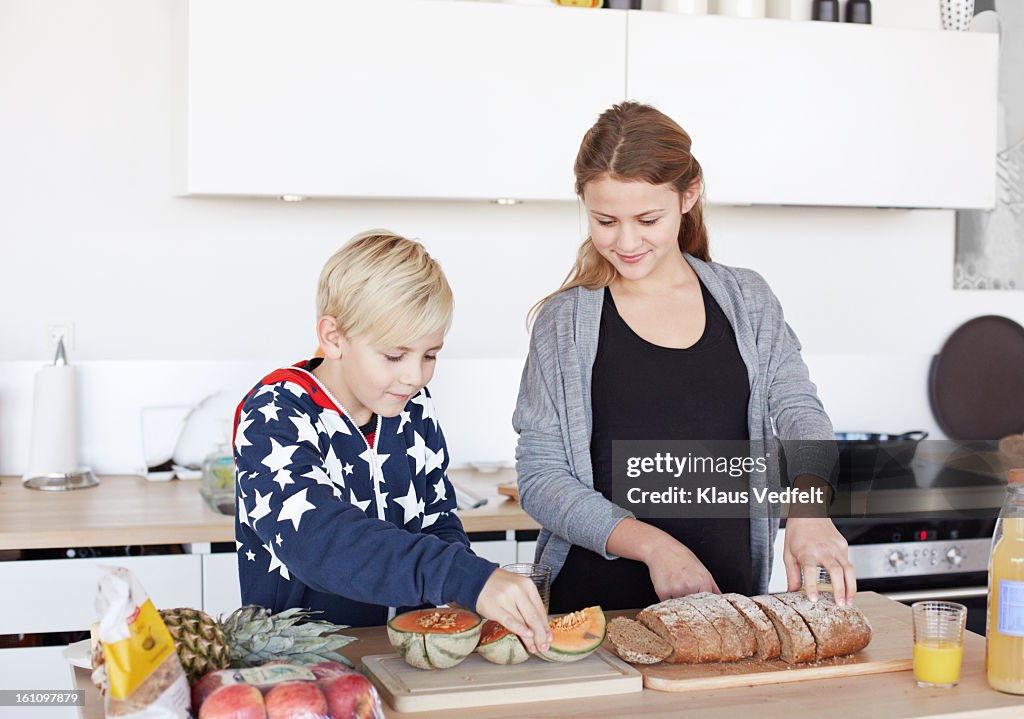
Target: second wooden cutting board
x: 476, y: 682
x: 890, y: 650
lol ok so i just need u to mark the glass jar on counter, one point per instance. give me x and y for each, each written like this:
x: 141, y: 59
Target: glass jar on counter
x: 218, y: 482
x: 1004, y: 635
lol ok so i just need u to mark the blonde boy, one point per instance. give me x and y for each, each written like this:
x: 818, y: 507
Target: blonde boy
x: 344, y: 505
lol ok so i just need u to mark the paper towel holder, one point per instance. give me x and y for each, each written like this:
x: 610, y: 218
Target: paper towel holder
x: 80, y: 478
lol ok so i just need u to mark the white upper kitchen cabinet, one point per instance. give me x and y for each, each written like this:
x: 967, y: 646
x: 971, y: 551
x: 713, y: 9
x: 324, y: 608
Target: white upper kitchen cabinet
x: 390, y: 98
x: 814, y: 113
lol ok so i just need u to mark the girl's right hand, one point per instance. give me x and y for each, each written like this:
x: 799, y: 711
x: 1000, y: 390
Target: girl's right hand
x: 676, y: 571
x: 513, y: 602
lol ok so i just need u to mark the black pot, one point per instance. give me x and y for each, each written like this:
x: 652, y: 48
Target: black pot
x: 875, y: 456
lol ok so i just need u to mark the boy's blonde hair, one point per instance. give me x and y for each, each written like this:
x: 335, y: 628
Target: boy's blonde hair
x: 385, y: 288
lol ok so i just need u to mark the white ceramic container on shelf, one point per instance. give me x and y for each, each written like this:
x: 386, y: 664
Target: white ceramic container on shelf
x: 909, y: 14
x: 788, y: 9
x: 957, y: 14
x: 681, y: 7
x: 739, y: 8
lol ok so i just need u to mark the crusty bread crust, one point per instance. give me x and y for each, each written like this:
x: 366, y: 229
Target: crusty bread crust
x: 764, y: 631
x: 738, y: 640
x: 635, y: 643
x: 707, y: 627
x: 837, y: 631
x: 795, y: 638
x: 693, y: 637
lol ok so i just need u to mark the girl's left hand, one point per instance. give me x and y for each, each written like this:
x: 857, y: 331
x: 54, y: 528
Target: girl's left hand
x: 813, y: 542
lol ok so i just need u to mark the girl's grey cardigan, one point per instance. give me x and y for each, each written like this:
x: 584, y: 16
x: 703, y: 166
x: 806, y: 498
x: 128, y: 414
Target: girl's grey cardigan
x: 554, y: 422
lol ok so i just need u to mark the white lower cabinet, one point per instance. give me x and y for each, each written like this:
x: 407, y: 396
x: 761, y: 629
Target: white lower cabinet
x: 221, y: 591
x: 59, y: 595
x: 525, y: 551
x: 36, y: 668
x: 498, y: 551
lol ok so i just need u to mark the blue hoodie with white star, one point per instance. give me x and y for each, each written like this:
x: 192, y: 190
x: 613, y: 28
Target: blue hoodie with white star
x: 351, y: 525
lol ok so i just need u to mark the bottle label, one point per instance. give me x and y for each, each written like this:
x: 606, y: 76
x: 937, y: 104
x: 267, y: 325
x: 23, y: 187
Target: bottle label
x: 1011, y: 608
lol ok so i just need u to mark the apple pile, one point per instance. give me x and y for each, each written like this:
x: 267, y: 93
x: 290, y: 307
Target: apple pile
x: 327, y: 690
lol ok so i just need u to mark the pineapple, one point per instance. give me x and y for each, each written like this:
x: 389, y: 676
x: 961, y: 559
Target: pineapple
x: 250, y: 636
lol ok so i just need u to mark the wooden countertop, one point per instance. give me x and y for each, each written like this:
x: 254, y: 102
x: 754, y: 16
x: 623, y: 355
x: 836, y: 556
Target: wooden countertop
x: 130, y: 510
x: 880, y: 696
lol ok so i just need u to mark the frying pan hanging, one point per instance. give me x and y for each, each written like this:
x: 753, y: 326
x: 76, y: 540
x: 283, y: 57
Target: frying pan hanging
x: 976, y: 382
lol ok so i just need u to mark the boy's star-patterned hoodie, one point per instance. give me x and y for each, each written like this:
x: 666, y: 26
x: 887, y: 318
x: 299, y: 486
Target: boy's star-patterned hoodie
x: 332, y: 520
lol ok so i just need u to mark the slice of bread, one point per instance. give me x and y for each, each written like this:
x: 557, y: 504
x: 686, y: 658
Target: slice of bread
x: 796, y: 641
x: 691, y: 635
x: 764, y: 631
x: 738, y: 640
x: 837, y: 631
x: 635, y: 643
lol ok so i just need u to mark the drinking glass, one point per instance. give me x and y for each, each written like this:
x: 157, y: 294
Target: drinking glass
x: 938, y: 642
x: 821, y: 578
x: 539, y: 574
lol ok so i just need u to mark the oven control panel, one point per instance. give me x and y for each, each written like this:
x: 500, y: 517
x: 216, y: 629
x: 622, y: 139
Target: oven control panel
x: 910, y: 559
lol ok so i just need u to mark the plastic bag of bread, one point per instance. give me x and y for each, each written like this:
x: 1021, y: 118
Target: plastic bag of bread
x: 144, y: 676
x: 327, y: 690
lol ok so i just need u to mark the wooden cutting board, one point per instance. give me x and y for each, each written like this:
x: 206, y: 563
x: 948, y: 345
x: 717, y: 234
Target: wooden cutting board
x: 476, y: 682
x: 890, y: 650
x: 509, y: 489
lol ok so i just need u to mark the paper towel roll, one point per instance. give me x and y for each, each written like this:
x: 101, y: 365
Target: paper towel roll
x: 53, y: 447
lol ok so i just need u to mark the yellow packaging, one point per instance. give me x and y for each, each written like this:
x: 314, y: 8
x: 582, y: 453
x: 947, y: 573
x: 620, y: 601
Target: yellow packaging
x: 130, y: 661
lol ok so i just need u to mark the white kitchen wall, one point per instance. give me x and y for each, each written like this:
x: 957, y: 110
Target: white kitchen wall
x: 172, y: 298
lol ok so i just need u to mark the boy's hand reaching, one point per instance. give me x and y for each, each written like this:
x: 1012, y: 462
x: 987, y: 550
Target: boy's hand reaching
x: 513, y: 602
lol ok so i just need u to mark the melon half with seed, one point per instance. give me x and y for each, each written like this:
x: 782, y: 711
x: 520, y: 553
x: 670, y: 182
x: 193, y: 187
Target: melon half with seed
x: 500, y: 646
x: 576, y: 635
x: 435, y: 638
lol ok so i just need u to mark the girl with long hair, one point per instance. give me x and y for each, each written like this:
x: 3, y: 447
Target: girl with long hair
x: 648, y: 339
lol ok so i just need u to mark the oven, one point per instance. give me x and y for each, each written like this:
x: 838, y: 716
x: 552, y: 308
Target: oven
x: 924, y: 559
x: 920, y: 525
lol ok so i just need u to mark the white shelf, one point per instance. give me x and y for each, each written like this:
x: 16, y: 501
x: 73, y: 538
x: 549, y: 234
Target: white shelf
x: 804, y: 113
x: 362, y: 98
x: 475, y: 100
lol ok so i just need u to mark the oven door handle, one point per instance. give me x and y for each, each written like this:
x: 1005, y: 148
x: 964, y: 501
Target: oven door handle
x: 926, y: 594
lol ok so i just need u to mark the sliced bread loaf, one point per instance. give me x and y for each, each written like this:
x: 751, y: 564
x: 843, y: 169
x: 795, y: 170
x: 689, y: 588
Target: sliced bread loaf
x: 837, y: 630
x: 764, y: 631
x: 795, y: 639
x: 637, y: 644
x: 738, y: 641
x: 691, y: 635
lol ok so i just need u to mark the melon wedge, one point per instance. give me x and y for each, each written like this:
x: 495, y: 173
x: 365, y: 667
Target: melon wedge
x: 500, y: 646
x: 576, y: 635
x: 435, y: 638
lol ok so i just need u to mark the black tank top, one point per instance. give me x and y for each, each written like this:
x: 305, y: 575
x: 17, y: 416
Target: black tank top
x: 640, y: 390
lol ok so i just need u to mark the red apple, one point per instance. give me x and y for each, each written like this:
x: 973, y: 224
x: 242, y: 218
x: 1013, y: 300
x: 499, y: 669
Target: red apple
x: 296, y: 700
x: 210, y: 682
x: 352, y: 696
x: 237, y: 701
x: 329, y: 670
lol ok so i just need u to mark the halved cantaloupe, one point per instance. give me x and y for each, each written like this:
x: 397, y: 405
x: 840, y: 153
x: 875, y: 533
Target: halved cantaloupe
x: 575, y: 635
x: 500, y: 646
x: 435, y: 638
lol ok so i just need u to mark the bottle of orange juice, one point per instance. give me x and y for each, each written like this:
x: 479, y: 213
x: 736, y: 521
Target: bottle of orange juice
x: 1004, y: 635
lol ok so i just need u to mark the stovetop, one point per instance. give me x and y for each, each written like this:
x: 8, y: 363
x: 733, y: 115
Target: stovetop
x: 934, y: 517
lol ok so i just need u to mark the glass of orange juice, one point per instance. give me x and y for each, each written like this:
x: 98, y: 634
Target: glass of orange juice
x: 938, y: 642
